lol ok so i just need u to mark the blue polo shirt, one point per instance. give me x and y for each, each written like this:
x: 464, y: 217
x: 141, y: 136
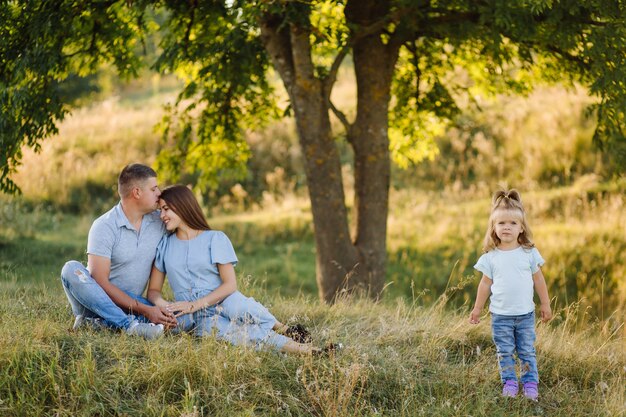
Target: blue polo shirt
x: 131, y: 252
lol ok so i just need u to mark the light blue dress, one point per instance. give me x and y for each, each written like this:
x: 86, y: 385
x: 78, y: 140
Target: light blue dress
x: 192, y: 272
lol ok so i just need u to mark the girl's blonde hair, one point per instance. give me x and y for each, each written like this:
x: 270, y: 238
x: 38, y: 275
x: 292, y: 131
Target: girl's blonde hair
x: 510, y: 201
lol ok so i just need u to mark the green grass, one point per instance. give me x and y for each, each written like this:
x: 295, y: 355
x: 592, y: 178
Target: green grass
x: 411, y: 354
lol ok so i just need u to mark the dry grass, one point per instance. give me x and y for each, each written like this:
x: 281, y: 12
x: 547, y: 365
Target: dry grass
x: 400, y: 360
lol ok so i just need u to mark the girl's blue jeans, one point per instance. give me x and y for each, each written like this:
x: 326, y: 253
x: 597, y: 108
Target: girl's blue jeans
x: 515, y: 334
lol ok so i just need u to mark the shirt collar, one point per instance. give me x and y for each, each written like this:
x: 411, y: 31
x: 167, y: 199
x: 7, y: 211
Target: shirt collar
x: 120, y: 218
x: 122, y: 221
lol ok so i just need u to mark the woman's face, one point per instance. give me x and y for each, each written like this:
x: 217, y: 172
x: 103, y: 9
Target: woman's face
x: 171, y: 219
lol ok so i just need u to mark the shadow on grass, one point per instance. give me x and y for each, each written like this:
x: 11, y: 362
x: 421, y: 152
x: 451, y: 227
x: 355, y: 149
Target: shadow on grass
x: 424, y: 275
x: 28, y: 261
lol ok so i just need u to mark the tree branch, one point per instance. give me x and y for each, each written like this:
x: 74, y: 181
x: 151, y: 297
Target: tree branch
x: 453, y: 18
x: 568, y: 56
x: 192, y: 19
x: 342, y: 117
x: 379, y: 25
x: 330, y: 79
x: 278, y: 44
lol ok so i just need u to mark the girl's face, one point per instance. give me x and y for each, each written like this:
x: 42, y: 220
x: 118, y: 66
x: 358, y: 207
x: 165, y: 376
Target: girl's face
x: 171, y: 219
x: 508, y: 226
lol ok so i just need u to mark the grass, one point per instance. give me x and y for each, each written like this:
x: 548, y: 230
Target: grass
x: 411, y: 354
x: 400, y: 360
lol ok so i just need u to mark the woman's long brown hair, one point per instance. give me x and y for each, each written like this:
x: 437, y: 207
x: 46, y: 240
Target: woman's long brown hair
x: 180, y: 199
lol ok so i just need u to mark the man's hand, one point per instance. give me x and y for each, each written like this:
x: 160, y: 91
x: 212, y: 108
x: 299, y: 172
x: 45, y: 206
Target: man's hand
x: 160, y: 315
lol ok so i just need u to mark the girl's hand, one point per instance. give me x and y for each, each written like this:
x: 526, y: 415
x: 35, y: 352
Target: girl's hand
x: 180, y: 308
x: 475, y: 316
x: 546, y: 313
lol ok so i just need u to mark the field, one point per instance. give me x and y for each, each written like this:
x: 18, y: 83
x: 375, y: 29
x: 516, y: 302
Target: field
x: 413, y: 353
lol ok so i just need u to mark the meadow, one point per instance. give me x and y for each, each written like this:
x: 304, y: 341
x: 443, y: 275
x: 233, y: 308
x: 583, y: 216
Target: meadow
x: 412, y: 353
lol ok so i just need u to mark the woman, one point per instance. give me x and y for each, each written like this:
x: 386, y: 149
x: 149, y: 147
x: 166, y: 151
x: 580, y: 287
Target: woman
x: 199, y: 263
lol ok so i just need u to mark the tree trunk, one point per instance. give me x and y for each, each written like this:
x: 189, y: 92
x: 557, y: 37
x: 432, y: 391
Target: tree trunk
x: 336, y: 256
x: 374, y: 63
x: 290, y: 53
x: 341, y: 264
x: 370, y: 142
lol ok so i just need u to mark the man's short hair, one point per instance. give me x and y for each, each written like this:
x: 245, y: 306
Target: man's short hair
x: 131, y: 175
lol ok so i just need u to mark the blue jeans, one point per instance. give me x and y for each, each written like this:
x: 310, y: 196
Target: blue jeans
x: 237, y: 319
x: 515, y: 334
x: 87, y: 297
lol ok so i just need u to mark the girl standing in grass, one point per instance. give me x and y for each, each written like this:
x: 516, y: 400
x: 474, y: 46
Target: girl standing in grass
x: 511, y: 267
x: 199, y: 263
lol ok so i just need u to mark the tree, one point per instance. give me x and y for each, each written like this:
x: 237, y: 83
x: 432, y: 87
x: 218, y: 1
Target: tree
x: 414, y: 62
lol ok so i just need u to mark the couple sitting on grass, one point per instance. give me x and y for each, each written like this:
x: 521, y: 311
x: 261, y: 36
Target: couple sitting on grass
x: 132, y: 243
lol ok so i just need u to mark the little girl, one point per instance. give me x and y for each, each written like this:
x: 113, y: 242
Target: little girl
x: 511, y: 268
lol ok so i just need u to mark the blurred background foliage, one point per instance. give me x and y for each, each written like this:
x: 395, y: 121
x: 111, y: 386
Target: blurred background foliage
x: 540, y: 140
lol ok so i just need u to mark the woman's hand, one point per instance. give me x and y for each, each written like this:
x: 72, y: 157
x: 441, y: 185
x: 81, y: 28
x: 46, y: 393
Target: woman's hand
x: 180, y: 308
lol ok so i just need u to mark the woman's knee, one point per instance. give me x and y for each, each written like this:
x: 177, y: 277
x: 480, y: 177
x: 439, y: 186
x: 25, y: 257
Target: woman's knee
x: 235, y: 305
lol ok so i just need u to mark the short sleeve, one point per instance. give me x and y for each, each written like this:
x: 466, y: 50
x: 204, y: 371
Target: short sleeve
x: 483, y: 265
x: 222, y: 251
x: 536, y: 260
x: 159, y: 260
x: 101, y: 240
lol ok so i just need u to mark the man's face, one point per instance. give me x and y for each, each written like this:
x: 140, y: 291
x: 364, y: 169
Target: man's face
x: 149, y: 194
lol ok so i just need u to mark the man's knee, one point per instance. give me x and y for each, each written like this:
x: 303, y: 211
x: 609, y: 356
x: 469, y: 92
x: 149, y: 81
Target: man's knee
x: 74, y: 271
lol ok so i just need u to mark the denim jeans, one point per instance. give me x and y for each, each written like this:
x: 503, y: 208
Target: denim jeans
x: 515, y: 334
x: 87, y: 297
x: 237, y: 319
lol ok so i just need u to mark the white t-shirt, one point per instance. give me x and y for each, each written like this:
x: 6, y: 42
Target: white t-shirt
x: 512, y: 274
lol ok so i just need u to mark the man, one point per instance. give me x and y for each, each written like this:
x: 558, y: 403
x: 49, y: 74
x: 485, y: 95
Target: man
x: 120, y: 251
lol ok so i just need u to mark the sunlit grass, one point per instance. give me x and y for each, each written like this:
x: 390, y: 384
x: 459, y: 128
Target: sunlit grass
x: 580, y: 233
x: 411, y: 354
x: 400, y: 359
x: 77, y: 170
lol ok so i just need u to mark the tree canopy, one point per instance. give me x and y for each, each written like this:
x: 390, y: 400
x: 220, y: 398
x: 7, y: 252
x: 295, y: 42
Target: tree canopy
x: 416, y: 62
x: 216, y: 46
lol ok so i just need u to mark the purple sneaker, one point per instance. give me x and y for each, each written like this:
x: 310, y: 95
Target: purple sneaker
x: 510, y: 388
x: 530, y: 391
